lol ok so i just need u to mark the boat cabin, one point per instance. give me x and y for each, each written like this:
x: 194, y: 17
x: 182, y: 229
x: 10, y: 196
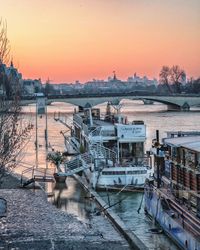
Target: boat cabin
x: 112, y: 131
x: 179, y: 170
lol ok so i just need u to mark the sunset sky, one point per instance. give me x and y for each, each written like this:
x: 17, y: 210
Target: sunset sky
x: 68, y: 40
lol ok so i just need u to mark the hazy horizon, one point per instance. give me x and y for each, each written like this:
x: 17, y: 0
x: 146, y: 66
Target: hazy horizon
x: 67, y: 40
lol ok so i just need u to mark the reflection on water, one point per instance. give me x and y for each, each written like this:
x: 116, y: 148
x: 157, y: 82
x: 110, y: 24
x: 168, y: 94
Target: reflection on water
x: 71, y: 197
x: 136, y: 219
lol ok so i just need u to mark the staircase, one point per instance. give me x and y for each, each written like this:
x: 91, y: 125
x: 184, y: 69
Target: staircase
x: 97, y: 153
x: 95, y: 135
x: 73, y: 142
x: 36, y: 174
x: 76, y: 165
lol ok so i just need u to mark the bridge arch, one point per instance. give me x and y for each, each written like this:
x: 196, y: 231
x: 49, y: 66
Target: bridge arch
x: 172, y: 102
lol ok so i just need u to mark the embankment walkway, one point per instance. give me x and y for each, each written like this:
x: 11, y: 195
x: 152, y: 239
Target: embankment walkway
x: 33, y: 223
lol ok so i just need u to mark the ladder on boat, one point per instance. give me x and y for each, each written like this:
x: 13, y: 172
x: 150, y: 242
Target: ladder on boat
x: 36, y: 174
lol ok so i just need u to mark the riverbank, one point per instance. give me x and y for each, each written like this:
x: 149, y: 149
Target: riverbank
x: 133, y: 240
x: 33, y: 223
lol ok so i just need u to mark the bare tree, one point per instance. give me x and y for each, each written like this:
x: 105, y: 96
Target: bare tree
x: 165, y: 77
x: 14, y: 132
x: 4, y: 43
x: 13, y: 129
x: 177, y: 76
x: 172, y: 78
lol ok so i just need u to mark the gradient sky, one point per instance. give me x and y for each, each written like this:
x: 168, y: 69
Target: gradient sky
x: 68, y: 40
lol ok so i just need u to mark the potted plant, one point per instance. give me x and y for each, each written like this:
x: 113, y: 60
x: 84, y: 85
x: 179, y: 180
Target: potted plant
x: 57, y: 158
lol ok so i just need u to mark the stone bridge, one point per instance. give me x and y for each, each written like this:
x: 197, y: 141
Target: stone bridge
x: 173, y: 102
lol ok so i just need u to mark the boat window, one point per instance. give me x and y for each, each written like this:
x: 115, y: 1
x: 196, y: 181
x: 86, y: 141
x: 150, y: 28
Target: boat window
x: 137, y: 172
x: 113, y: 172
x: 123, y: 172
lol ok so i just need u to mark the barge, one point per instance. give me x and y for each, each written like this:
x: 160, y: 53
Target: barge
x: 172, y: 196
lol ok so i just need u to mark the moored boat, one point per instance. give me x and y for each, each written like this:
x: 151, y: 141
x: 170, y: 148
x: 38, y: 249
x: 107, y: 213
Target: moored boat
x: 112, y: 149
x: 172, y: 196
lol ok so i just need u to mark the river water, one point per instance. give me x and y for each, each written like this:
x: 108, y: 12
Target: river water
x: 71, y: 198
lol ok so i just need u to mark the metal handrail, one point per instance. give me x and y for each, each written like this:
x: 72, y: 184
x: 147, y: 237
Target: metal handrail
x: 80, y: 162
x: 137, y: 161
x: 95, y: 132
x: 63, y: 119
x: 106, y: 152
x: 35, y: 171
x: 74, y: 141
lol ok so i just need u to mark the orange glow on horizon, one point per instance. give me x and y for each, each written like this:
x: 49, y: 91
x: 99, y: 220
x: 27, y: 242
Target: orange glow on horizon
x: 86, y: 39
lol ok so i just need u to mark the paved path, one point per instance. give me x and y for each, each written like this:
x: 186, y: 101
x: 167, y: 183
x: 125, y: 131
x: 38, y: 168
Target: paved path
x: 33, y: 223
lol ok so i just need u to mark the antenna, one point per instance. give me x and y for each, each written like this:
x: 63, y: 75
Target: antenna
x: 114, y: 75
x: 48, y: 81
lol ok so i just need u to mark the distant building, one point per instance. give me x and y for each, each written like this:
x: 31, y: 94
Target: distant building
x: 31, y: 86
x: 10, y: 79
x: 111, y: 85
x: 141, y: 81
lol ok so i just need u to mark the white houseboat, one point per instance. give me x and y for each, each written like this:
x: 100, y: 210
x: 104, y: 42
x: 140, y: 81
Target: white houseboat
x: 111, y: 149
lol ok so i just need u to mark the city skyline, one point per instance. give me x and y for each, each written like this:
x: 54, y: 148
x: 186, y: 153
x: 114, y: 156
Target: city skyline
x: 83, y: 40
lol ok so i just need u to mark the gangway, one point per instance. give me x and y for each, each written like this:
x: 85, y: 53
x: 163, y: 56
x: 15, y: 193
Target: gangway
x: 63, y: 119
x: 31, y: 175
x: 76, y: 165
x: 86, y: 160
x: 71, y: 143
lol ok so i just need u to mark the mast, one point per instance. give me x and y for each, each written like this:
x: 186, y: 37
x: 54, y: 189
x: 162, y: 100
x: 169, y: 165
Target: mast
x: 46, y: 131
x: 36, y: 133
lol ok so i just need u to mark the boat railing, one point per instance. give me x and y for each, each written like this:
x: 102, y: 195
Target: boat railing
x: 79, y: 163
x: 62, y: 117
x: 86, y: 158
x: 95, y: 132
x: 78, y: 119
x: 99, y: 132
x: 136, y: 161
x: 43, y: 171
x: 73, y: 164
x: 103, y: 152
x: 36, y: 172
x: 28, y: 172
x: 73, y: 141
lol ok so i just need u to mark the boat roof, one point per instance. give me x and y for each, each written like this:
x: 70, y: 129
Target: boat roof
x: 189, y: 142
x: 182, y: 133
